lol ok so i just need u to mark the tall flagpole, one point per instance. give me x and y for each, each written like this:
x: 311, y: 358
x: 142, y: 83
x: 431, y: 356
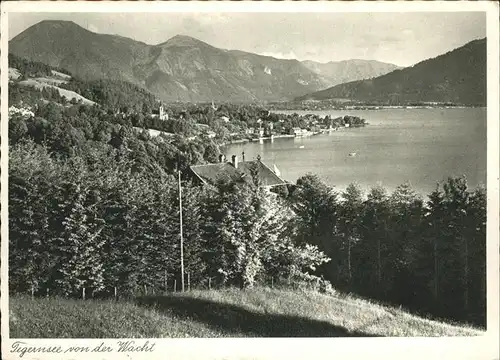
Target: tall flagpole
x: 182, y: 240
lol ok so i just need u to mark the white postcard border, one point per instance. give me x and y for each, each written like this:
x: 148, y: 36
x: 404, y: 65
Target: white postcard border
x: 482, y: 347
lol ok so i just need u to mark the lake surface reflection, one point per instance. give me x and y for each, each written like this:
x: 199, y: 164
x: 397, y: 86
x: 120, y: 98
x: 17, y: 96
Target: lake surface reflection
x: 420, y: 146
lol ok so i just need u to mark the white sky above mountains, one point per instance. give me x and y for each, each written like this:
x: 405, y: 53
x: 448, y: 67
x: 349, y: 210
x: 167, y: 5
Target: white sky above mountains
x: 399, y: 38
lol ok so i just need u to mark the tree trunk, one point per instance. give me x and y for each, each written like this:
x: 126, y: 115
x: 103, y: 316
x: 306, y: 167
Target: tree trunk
x: 436, y: 273
x: 466, y: 275
x: 349, y: 257
x: 379, y: 263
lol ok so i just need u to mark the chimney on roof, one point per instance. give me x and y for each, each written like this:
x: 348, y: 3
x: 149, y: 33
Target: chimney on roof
x: 234, y: 159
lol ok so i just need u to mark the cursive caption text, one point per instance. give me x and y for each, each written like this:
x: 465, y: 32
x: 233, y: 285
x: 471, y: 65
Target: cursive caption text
x: 21, y: 348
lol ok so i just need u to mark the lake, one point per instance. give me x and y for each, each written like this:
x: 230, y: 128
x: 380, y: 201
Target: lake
x: 420, y: 146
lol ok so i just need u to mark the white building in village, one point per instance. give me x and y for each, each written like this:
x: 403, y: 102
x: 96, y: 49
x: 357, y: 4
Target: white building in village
x: 160, y: 113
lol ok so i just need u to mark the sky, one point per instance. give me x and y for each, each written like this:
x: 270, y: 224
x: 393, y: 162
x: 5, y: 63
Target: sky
x: 399, y: 38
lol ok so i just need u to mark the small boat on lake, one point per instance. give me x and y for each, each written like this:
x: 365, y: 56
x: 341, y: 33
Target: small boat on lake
x: 301, y: 146
x: 352, y: 154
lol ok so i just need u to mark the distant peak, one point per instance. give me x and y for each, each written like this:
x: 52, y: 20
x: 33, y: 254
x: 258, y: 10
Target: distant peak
x: 53, y: 27
x: 180, y: 37
x: 57, y: 23
x: 182, y: 40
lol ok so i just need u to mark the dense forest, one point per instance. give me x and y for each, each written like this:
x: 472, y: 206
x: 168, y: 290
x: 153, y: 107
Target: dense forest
x: 30, y: 68
x: 428, y: 255
x: 94, y: 205
x: 111, y: 94
x: 114, y: 94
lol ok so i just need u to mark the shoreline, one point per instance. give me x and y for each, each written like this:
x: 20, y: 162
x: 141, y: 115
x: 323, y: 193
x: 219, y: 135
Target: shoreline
x: 376, y: 107
x: 288, y: 136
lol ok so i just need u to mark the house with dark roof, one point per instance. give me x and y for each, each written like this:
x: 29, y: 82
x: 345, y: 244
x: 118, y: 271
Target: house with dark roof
x: 237, y: 171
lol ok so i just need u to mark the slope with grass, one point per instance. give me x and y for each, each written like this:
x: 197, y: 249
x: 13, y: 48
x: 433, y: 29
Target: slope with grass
x: 27, y: 76
x: 40, y: 83
x: 261, y: 312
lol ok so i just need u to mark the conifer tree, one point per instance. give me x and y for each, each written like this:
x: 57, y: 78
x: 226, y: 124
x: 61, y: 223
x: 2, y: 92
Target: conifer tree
x: 456, y: 198
x: 123, y: 250
x: 32, y: 177
x: 433, y: 245
x: 372, y: 249
x: 80, y: 262
x: 405, y: 219
x: 315, y: 206
x: 476, y: 226
x: 349, y: 226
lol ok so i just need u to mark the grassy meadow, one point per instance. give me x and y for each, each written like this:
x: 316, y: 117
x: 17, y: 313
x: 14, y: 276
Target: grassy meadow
x: 260, y: 312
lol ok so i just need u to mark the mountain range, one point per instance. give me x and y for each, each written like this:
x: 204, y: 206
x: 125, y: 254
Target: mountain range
x: 338, y: 72
x: 458, y: 76
x: 183, y: 68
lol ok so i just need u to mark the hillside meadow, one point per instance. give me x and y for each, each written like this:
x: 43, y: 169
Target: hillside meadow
x: 259, y: 312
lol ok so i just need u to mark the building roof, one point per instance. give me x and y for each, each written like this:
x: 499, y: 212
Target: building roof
x: 211, y: 173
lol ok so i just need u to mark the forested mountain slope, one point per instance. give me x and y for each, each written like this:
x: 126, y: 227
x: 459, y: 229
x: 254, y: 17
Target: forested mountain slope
x: 458, y: 77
